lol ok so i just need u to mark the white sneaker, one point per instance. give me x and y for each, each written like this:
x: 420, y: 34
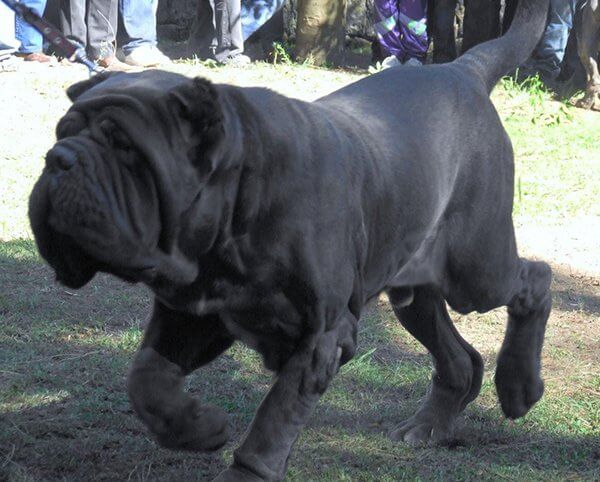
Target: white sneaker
x: 146, y: 56
x: 389, y: 62
x: 237, y: 60
x: 412, y: 62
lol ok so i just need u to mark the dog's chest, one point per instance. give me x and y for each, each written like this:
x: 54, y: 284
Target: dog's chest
x: 263, y: 319
x: 273, y: 338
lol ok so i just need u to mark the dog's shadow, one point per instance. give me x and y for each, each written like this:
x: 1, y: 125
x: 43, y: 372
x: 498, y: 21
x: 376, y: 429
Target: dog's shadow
x: 64, y: 412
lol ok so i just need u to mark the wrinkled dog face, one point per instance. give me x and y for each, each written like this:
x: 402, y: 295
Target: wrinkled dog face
x: 130, y: 157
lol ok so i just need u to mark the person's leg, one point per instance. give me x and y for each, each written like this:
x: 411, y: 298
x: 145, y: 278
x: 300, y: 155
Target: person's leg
x: 72, y: 20
x: 549, y: 53
x: 139, y: 22
x: 228, y: 26
x: 30, y: 40
x: 202, y: 41
x: 481, y: 22
x: 402, y: 28
x: 387, y: 29
x: 101, y: 22
x: 412, y: 20
x: 441, y: 27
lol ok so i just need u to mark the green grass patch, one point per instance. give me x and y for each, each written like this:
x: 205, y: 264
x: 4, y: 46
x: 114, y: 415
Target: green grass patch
x: 557, y: 159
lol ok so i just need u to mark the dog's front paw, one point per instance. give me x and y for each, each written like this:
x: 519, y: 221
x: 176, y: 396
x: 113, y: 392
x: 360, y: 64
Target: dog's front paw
x: 518, y: 384
x: 418, y: 432
x: 197, y: 428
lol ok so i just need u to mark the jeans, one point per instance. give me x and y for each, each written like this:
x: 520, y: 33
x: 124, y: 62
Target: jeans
x: 255, y: 13
x: 29, y: 38
x: 139, y: 20
x: 550, y: 51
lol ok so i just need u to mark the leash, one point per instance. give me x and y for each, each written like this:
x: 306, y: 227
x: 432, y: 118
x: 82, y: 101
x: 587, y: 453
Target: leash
x: 71, y: 51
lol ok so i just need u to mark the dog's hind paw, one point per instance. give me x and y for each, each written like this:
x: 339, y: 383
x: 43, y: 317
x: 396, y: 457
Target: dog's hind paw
x: 519, y: 386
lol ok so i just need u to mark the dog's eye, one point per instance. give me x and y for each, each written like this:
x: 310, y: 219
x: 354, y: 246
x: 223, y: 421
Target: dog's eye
x: 115, y: 134
x: 108, y: 127
x: 71, y: 124
x: 120, y: 139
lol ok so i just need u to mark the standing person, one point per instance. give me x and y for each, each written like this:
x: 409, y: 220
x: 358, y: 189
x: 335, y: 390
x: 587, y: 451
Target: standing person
x: 217, y: 32
x: 30, y: 40
x: 93, y: 24
x: 139, y: 23
x: 548, y: 55
x: 401, y: 27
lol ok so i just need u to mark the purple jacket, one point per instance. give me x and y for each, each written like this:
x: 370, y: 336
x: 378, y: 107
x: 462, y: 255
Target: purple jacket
x: 401, y: 26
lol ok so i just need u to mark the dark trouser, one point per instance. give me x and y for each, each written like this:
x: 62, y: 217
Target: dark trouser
x: 92, y: 23
x: 217, y: 32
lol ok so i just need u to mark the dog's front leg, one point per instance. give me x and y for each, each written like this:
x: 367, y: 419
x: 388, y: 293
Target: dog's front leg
x: 285, y: 410
x: 174, y: 345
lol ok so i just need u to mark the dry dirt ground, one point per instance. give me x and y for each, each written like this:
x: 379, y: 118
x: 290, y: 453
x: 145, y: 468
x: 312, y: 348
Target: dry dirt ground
x: 81, y: 342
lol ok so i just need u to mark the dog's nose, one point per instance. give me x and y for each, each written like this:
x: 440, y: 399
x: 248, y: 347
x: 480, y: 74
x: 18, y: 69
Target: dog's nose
x: 60, y: 157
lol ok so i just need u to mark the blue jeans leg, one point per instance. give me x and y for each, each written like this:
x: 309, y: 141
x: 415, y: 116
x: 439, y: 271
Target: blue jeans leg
x: 29, y: 38
x: 255, y: 13
x: 550, y: 51
x: 139, y: 20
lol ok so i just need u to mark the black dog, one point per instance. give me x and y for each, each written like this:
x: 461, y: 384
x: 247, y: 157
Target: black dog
x: 269, y: 220
x: 588, y: 46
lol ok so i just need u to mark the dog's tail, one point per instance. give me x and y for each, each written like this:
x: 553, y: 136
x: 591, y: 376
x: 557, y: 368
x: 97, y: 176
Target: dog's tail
x: 496, y: 58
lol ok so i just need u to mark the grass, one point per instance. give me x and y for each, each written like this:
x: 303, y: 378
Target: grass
x: 64, y: 413
x: 548, y: 137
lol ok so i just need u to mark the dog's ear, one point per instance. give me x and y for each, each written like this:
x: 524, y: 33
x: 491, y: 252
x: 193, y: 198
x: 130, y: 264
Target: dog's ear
x: 196, y: 102
x: 79, y: 88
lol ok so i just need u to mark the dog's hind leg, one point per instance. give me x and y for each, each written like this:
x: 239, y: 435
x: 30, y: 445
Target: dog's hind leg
x: 518, y: 381
x: 458, y: 368
x: 175, y: 344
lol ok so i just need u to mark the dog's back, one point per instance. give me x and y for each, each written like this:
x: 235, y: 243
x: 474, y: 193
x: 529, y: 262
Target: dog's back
x: 437, y: 147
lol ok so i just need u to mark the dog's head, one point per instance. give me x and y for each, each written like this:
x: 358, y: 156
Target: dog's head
x: 131, y: 155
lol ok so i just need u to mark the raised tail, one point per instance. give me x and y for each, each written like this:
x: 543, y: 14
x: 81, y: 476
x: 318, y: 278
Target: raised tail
x: 496, y: 58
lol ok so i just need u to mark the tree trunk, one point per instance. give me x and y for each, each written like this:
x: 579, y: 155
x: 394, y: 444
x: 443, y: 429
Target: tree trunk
x: 321, y: 30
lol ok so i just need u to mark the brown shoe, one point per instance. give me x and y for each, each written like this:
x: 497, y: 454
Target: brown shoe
x: 40, y: 57
x: 112, y: 64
